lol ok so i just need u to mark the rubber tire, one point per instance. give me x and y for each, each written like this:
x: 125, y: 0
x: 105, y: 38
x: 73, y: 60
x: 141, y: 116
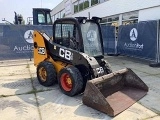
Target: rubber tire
x: 107, y: 67
x: 51, y: 73
x: 76, y: 78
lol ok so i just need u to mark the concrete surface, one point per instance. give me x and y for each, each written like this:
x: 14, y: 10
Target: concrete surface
x: 23, y: 98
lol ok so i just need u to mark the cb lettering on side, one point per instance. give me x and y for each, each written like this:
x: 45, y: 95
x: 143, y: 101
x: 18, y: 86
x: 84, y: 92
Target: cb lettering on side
x: 68, y: 55
x: 100, y: 70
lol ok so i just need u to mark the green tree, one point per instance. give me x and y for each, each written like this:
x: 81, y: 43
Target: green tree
x: 93, y: 2
x: 75, y: 8
x: 81, y: 6
x: 86, y: 4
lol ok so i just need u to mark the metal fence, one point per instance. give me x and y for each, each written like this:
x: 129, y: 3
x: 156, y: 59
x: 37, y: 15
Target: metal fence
x: 139, y: 40
x: 16, y: 41
x: 109, y: 39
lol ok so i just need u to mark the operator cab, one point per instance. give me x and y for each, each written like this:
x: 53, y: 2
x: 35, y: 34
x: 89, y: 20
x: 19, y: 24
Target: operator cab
x: 41, y: 16
x: 80, y: 34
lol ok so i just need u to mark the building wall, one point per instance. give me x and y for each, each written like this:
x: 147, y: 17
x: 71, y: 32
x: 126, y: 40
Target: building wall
x: 147, y: 9
x: 149, y: 14
x: 113, y: 7
x: 58, y: 8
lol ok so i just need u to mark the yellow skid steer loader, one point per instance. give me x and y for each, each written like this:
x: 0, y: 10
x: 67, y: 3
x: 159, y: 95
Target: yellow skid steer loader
x: 74, y: 58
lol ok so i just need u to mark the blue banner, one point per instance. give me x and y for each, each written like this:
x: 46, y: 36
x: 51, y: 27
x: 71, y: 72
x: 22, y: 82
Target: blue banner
x: 139, y: 40
x: 109, y: 39
x: 16, y: 41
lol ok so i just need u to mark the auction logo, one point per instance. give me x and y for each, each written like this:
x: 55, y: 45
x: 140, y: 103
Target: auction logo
x: 91, y: 35
x: 27, y: 48
x: 133, y: 45
x: 133, y: 34
x: 28, y: 36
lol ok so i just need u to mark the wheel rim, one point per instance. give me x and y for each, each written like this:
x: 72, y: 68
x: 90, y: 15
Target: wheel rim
x: 43, y: 74
x: 66, y: 82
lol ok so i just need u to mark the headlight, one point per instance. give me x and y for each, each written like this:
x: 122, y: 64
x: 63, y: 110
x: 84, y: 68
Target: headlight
x: 84, y: 21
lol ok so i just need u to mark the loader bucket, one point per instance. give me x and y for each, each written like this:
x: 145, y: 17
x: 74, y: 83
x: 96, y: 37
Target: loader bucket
x: 114, y: 92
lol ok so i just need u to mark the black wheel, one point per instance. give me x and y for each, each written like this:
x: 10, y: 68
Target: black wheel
x: 70, y: 81
x: 107, y: 67
x: 46, y: 73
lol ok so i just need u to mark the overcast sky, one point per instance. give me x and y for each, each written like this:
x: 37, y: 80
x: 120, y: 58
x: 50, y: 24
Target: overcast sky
x: 23, y: 7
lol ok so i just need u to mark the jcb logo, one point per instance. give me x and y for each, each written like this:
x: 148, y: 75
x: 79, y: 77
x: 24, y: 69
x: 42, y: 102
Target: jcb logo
x: 41, y: 51
x: 100, y: 70
x: 65, y: 54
